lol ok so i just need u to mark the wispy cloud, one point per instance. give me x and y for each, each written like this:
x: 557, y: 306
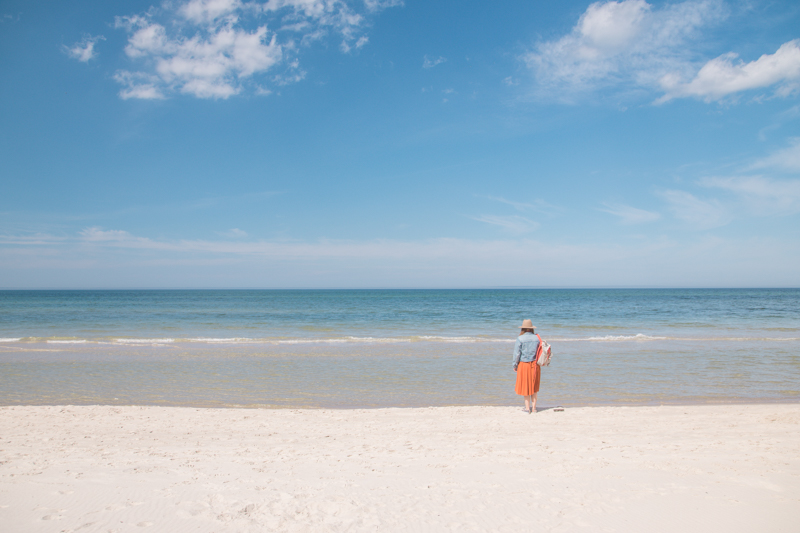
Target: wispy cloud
x: 234, y: 233
x: 760, y: 195
x: 139, y: 85
x: 84, y: 49
x: 700, y: 214
x: 430, y: 63
x: 512, y: 223
x: 32, y: 239
x: 219, y: 48
x: 630, y: 215
x: 537, y: 205
x: 785, y: 159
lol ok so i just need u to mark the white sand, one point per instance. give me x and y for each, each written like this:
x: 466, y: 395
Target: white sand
x: 637, y: 469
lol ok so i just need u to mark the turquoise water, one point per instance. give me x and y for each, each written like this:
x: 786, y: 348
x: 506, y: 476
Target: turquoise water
x: 374, y: 348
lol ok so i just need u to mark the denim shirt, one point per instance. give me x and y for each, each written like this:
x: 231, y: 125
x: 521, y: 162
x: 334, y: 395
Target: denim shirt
x: 525, y: 348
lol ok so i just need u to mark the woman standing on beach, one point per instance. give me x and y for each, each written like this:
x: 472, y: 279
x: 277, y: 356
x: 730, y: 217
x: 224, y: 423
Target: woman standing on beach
x: 528, y: 372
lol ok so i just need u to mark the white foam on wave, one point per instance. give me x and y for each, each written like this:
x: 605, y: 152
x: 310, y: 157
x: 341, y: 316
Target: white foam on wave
x: 232, y: 340
x: 329, y: 340
x: 78, y: 341
x: 637, y: 337
x: 462, y: 339
x: 144, y: 341
x: 342, y: 340
x: 10, y: 339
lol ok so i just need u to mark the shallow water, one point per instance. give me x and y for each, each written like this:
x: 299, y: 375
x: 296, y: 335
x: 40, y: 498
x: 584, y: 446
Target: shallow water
x: 395, y: 348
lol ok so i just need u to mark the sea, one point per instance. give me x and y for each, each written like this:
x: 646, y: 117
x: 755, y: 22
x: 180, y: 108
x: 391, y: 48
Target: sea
x: 396, y: 348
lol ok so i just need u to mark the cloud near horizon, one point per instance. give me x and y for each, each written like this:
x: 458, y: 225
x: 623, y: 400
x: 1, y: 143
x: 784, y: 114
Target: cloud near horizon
x: 220, y: 48
x: 97, y: 257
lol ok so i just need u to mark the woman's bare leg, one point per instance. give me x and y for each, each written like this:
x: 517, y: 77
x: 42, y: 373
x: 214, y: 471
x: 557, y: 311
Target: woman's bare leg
x: 527, y: 403
x: 533, y: 400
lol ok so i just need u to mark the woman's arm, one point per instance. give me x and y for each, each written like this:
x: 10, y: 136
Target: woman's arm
x: 517, y: 353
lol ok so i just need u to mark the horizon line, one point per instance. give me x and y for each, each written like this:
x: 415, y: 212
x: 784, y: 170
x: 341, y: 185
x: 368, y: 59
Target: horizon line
x: 379, y: 288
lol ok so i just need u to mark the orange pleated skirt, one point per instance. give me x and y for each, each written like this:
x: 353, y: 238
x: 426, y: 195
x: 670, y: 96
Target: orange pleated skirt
x: 527, y: 378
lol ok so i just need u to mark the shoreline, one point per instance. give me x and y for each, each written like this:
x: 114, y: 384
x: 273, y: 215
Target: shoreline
x: 733, y: 467
x: 540, y: 408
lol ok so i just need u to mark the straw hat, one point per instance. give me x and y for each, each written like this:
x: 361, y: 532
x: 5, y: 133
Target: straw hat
x: 527, y: 324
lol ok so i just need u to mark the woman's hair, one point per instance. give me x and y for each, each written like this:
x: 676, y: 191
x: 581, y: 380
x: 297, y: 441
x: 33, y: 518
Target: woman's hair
x: 526, y: 330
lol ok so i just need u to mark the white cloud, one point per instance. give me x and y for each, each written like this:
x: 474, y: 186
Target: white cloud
x: 430, y: 63
x: 210, y: 66
x: 200, y: 11
x: 96, y: 234
x: 84, y: 50
x: 630, y: 215
x: 721, y: 77
x: 761, y: 195
x: 700, y: 214
x: 635, y: 46
x: 512, y: 223
x: 785, y: 159
x: 621, y: 43
x: 215, y: 48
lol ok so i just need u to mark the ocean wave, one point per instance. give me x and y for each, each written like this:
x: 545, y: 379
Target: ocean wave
x: 642, y: 337
x: 754, y: 339
x: 352, y: 339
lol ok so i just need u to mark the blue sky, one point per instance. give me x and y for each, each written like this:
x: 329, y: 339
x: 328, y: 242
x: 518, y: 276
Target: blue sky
x: 324, y: 143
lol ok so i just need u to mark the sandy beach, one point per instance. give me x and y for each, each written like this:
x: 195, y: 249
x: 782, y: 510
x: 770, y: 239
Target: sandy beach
x: 670, y: 468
